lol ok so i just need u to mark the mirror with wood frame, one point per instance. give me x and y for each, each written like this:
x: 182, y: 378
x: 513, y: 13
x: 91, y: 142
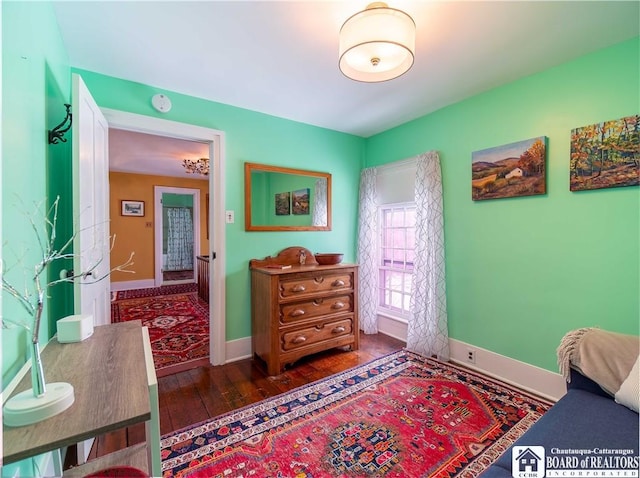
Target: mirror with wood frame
x: 286, y: 199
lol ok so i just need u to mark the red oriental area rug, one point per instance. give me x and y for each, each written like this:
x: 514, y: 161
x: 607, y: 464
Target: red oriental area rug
x: 402, y: 416
x: 178, y: 328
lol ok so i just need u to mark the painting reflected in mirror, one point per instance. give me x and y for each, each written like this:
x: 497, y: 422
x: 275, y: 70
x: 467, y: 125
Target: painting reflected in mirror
x: 286, y: 199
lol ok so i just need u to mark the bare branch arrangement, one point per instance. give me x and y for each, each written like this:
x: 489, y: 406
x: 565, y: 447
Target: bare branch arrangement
x: 32, y: 297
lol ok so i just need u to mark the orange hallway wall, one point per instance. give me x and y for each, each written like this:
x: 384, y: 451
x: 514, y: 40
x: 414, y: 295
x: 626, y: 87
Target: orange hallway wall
x: 136, y: 233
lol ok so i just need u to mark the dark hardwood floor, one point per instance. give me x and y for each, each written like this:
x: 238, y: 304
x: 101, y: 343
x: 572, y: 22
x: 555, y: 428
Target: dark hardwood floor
x: 195, y: 395
x: 177, y: 275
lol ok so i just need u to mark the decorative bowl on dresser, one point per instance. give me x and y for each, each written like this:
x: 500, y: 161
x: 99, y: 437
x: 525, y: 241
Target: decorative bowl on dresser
x: 300, y: 307
x: 327, y: 259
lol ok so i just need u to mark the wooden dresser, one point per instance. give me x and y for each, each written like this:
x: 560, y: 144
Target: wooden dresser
x: 303, y: 309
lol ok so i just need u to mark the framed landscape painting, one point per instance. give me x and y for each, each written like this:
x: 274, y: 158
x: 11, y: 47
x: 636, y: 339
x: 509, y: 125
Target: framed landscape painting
x: 300, y: 201
x: 605, y: 155
x: 511, y: 170
x: 283, y: 204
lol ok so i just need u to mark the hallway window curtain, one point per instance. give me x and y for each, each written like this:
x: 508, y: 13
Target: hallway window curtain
x: 367, y: 251
x: 427, y: 332
x: 179, y: 239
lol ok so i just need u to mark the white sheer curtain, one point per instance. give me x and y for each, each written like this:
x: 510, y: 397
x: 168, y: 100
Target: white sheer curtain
x: 367, y: 251
x: 179, y: 239
x: 427, y: 330
x: 320, y: 215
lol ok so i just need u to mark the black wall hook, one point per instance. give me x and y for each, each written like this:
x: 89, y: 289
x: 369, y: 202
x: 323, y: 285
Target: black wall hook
x: 56, y: 134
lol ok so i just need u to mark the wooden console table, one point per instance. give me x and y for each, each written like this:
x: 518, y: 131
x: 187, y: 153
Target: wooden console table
x: 115, y: 386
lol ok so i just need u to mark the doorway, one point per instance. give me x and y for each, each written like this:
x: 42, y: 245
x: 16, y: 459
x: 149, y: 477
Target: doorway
x: 177, y: 234
x: 215, y: 141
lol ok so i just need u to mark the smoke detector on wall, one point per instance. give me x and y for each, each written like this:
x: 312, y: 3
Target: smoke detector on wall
x: 161, y: 103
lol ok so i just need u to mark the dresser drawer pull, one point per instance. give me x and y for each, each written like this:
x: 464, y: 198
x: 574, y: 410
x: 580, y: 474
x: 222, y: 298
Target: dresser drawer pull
x: 319, y: 279
x: 338, y: 305
x: 298, y: 288
x: 297, y: 313
x: 338, y: 330
x: 300, y: 339
x: 338, y: 283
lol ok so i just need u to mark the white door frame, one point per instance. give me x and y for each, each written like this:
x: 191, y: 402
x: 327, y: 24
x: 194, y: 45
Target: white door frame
x: 158, y: 191
x: 216, y: 141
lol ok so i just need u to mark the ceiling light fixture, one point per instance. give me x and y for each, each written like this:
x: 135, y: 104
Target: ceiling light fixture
x: 377, y: 44
x: 196, y: 166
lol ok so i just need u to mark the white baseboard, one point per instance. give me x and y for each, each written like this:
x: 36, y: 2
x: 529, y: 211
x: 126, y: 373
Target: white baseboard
x: 238, y: 349
x: 528, y: 377
x: 392, y: 327
x: 133, y: 284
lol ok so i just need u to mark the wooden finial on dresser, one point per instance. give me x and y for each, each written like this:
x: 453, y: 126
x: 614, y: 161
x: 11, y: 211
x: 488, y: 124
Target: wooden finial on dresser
x: 287, y: 257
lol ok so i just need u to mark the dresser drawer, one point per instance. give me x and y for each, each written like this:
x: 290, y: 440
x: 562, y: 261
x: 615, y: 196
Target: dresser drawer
x: 290, y: 313
x: 314, y: 334
x: 318, y: 283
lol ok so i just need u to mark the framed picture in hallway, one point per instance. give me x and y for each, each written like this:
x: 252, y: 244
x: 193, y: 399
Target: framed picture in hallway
x: 132, y: 208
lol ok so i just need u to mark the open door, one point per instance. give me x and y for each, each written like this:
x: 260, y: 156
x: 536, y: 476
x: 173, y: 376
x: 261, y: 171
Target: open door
x: 90, y: 172
x: 170, y: 254
x: 216, y: 213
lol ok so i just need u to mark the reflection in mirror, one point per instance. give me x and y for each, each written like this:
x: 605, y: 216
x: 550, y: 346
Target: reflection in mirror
x: 285, y: 199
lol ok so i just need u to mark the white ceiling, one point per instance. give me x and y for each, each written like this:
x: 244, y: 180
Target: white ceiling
x: 143, y: 153
x: 280, y: 57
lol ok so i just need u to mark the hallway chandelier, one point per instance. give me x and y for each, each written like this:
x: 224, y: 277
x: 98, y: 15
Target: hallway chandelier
x: 377, y: 44
x: 196, y: 166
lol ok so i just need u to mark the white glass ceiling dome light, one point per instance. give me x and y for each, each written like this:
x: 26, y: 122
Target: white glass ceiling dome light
x: 377, y: 44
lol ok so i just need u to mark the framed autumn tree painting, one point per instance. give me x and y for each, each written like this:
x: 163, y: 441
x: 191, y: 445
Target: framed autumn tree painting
x: 605, y: 155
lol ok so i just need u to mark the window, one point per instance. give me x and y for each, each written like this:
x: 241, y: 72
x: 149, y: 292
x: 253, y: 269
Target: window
x: 396, y: 253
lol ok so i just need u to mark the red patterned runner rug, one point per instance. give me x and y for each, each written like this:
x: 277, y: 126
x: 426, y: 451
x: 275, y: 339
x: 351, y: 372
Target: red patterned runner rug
x: 155, y: 291
x: 402, y: 416
x: 178, y: 328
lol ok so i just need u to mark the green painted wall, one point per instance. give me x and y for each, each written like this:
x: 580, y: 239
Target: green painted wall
x: 177, y: 200
x: 259, y: 138
x: 522, y: 272
x: 36, y: 84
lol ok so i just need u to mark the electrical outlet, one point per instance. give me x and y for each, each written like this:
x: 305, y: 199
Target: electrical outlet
x: 229, y: 215
x: 471, y: 356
